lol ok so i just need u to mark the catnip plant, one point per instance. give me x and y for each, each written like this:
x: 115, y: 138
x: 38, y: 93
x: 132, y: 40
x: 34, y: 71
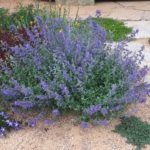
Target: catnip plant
x: 64, y: 68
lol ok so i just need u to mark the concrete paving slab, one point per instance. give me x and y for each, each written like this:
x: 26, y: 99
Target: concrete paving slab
x: 137, y: 5
x: 126, y: 14
x: 142, y: 26
x: 146, y: 16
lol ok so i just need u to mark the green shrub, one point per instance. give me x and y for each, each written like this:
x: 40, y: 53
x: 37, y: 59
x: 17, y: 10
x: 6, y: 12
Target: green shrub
x: 73, y: 69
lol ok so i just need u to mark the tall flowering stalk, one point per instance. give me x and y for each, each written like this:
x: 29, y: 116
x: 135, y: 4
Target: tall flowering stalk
x: 67, y: 68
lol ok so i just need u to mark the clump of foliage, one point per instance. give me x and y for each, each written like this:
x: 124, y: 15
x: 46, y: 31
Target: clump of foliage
x: 9, y: 38
x: 136, y: 131
x: 4, y: 21
x: 6, y: 124
x: 149, y: 40
x: 64, y: 68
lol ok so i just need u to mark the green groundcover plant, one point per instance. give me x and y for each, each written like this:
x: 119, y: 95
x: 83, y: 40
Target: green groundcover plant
x: 63, y: 68
x: 136, y: 131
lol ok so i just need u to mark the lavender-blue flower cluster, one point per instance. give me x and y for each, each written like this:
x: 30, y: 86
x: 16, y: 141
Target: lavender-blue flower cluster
x: 67, y: 68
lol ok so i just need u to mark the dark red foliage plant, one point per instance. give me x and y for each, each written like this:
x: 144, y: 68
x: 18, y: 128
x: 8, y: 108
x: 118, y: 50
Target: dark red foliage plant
x: 9, y: 39
x: 6, y: 38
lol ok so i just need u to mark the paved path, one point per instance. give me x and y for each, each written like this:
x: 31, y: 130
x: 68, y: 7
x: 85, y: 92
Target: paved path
x: 142, y: 26
x: 127, y: 11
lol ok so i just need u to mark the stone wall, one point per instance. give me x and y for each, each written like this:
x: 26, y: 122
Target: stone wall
x: 76, y: 2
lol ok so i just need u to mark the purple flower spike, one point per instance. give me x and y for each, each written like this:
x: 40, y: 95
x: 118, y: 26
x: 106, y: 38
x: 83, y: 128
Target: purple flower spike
x: 98, y: 13
x: 1, y: 134
x: 2, y: 129
x: 16, y: 126
x: 44, y: 85
x: 55, y: 113
x: 84, y: 125
x: 93, y: 109
x: 23, y: 104
x: 9, y: 92
x: 9, y: 123
x: 104, y: 111
x: 49, y: 122
x: 32, y: 122
x: 2, y: 114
